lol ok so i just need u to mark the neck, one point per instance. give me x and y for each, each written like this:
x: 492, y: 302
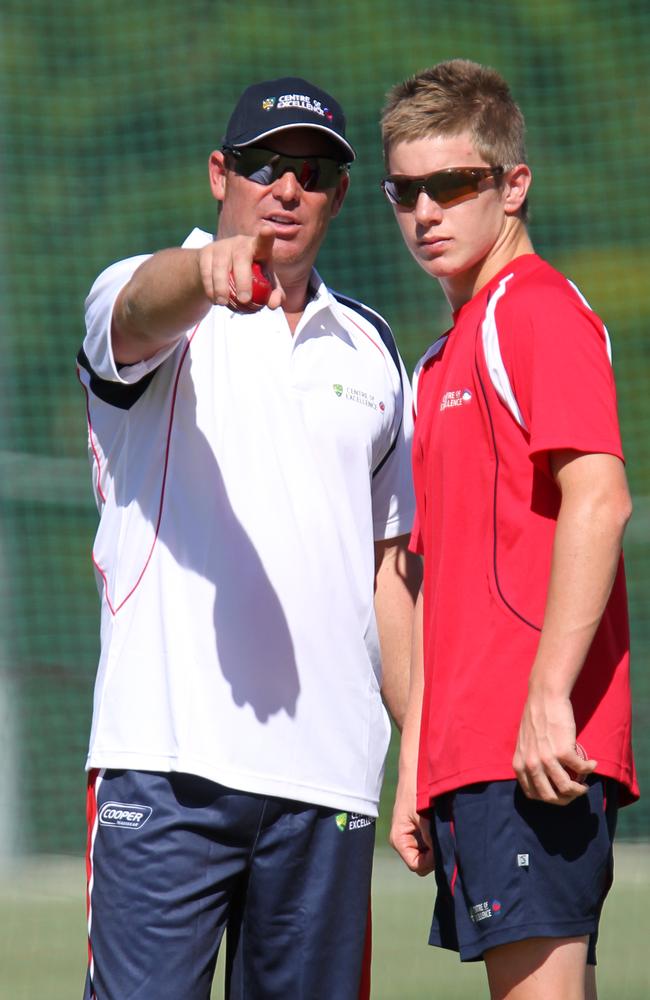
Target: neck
x: 513, y: 242
x: 296, y: 292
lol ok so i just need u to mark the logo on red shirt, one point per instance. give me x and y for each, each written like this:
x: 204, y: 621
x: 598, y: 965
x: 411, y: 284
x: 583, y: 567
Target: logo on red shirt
x: 456, y: 397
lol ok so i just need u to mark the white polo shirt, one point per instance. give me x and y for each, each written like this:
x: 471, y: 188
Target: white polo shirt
x: 242, y: 478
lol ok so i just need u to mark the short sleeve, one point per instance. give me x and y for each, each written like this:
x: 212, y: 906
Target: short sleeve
x: 562, y: 376
x: 97, y: 345
x: 393, y: 501
x: 99, y: 306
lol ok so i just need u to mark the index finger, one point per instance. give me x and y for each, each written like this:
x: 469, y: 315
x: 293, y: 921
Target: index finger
x: 264, y: 240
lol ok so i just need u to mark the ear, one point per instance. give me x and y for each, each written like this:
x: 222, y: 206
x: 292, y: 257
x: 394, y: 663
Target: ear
x: 340, y: 193
x: 217, y: 173
x: 516, y: 185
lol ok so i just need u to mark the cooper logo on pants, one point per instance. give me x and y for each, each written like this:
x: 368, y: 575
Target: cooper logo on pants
x: 125, y: 814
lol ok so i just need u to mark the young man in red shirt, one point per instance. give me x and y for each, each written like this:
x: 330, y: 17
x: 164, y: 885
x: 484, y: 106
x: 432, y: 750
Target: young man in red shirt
x: 516, y: 752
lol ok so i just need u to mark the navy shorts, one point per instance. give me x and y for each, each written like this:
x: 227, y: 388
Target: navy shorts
x: 510, y: 868
x: 174, y: 859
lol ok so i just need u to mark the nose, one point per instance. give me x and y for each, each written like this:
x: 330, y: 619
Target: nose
x: 287, y: 187
x: 427, y: 211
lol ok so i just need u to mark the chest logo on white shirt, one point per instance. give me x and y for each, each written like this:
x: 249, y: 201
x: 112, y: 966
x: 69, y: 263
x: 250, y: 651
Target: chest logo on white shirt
x: 359, y: 396
x: 457, y: 397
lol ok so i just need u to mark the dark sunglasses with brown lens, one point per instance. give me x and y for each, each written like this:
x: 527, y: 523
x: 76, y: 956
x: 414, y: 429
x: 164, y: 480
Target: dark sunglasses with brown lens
x: 443, y: 186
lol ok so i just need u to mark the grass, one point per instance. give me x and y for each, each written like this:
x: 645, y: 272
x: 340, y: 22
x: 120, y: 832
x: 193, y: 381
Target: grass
x: 405, y: 968
x: 42, y: 928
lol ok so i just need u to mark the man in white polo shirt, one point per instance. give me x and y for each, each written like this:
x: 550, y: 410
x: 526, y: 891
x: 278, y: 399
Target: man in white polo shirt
x: 251, y: 467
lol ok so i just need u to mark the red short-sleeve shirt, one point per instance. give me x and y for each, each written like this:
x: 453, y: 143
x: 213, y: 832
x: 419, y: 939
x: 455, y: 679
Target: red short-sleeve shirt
x: 524, y: 370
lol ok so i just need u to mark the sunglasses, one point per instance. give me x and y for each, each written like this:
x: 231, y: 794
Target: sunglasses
x: 263, y: 166
x: 443, y: 186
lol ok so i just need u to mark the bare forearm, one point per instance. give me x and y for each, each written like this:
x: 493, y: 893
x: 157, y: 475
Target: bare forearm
x: 409, y: 744
x: 173, y: 290
x: 396, y: 585
x: 164, y: 297
x: 586, y: 554
x: 594, y: 510
x: 410, y: 834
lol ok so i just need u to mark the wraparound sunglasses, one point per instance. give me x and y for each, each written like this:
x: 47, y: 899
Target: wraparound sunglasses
x: 443, y: 186
x: 264, y: 166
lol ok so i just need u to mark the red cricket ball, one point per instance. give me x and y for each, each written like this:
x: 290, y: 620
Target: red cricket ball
x: 261, y: 290
x: 581, y: 752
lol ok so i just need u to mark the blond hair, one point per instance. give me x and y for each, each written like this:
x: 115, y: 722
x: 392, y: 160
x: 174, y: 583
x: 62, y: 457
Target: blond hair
x: 454, y: 97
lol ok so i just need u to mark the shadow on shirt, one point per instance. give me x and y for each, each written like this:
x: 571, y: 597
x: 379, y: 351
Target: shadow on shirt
x: 153, y: 442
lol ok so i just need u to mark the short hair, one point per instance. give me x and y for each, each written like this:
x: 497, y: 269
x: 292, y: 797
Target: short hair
x: 453, y: 97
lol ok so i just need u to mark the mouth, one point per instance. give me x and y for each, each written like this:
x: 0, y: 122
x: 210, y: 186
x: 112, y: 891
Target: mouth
x: 284, y: 225
x: 434, y: 244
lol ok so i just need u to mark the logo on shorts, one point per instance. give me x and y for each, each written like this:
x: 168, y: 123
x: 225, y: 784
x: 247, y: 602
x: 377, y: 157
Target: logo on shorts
x: 523, y: 860
x: 479, y: 912
x: 125, y: 814
x: 353, y: 821
x: 484, y: 911
x: 358, y: 822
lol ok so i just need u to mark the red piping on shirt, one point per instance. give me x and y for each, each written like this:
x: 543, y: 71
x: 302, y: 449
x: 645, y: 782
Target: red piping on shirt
x: 101, y: 572
x: 367, y: 335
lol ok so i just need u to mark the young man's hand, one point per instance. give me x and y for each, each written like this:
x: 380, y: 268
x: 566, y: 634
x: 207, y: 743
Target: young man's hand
x: 410, y: 834
x: 547, y: 762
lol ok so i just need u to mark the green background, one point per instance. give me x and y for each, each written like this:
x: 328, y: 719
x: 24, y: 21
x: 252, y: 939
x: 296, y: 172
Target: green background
x: 108, y: 114
x: 42, y: 926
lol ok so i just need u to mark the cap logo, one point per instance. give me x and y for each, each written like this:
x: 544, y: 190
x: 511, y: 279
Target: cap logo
x: 298, y: 101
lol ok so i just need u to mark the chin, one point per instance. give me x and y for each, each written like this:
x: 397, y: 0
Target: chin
x: 286, y: 254
x: 436, y: 267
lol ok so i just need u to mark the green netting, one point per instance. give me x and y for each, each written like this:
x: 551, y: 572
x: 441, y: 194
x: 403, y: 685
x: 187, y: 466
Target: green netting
x: 109, y: 112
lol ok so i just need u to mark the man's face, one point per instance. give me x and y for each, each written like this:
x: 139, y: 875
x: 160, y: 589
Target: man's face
x: 300, y: 218
x: 448, y: 241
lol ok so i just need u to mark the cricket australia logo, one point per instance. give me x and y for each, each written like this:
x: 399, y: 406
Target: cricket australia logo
x: 268, y: 103
x: 125, y: 814
x: 352, y: 821
x: 338, y: 388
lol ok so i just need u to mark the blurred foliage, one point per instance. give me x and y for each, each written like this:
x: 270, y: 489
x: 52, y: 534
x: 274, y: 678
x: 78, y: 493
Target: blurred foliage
x: 108, y: 115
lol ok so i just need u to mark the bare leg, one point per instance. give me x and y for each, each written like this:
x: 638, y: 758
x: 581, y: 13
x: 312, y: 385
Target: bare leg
x: 539, y: 968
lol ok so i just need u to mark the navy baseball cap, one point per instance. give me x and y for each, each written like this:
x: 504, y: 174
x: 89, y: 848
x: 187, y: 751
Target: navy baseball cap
x: 273, y: 106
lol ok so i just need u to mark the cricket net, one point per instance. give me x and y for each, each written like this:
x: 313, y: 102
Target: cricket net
x: 109, y: 112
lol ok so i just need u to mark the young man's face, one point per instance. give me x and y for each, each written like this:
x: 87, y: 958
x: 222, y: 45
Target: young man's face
x: 453, y: 240
x: 300, y: 218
